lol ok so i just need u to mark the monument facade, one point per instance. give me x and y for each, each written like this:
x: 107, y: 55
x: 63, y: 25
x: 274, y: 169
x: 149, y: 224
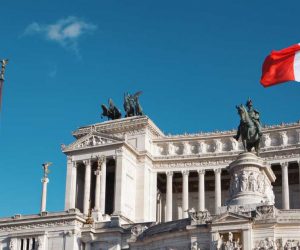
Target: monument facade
x: 130, y: 186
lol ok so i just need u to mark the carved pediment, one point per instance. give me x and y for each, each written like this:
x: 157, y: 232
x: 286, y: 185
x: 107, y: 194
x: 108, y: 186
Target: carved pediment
x: 230, y: 217
x: 93, y: 139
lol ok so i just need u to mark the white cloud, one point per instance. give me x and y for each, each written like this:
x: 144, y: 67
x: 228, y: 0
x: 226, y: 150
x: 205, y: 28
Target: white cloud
x: 66, y: 31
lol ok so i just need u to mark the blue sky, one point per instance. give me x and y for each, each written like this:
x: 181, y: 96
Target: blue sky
x: 193, y: 60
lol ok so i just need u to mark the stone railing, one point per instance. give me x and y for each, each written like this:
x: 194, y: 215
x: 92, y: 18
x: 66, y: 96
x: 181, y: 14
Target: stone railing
x: 274, y: 138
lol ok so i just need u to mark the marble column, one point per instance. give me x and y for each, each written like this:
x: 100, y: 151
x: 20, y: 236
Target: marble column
x: 25, y: 243
x: 185, y: 193
x: 97, y: 191
x: 45, y: 181
x: 169, y: 199
x: 201, y: 190
x: 299, y: 181
x: 30, y: 243
x: 285, y: 186
x: 73, y: 185
x: 87, y: 186
x: 217, y: 188
x: 103, y: 187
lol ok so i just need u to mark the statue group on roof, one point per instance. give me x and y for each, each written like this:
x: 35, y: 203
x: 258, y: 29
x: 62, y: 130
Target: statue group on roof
x: 131, y: 106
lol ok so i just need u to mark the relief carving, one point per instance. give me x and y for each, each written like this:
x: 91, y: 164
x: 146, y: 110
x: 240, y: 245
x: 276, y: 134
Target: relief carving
x: 244, y: 181
x: 200, y: 217
x: 292, y: 245
x: 266, y: 244
x: 230, y: 244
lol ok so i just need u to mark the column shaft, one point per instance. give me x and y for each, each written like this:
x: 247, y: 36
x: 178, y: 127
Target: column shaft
x: 201, y: 190
x: 299, y: 180
x: 73, y: 186
x: 169, y: 199
x: 103, y: 187
x: 217, y: 189
x: 44, y: 194
x: 101, y: 160
x: 87, y: 187
x: 185, y: 193
x: 97, y: 191
x: 285, y: 186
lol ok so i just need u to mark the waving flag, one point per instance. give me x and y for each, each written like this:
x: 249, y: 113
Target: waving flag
x: 281, y: 66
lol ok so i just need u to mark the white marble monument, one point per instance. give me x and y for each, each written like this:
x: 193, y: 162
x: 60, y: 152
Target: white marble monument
x: 130, y: 186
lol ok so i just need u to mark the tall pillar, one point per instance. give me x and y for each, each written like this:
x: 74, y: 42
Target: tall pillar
x: 285, y: 185
x: 185, y: 193
x: 45, y: 181
x: 25, y: 243
x: 73, y: 185
x: 169, y: 199
x: 201, y: 190
x: 30, y: 243
x: 87, y: 186
x: 44, y: 194
x: 103, y: 187
x: 217, y: 188
x: 98, y: 186
x: 299, y: 181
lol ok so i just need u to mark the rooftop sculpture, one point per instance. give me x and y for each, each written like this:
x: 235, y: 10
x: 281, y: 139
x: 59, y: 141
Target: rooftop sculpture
x: 111, y: 112
x: 131, y: 105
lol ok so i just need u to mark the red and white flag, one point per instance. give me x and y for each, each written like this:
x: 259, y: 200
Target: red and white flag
x: 281, y: 66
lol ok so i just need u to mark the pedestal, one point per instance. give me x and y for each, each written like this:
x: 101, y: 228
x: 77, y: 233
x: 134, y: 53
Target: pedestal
x: 250, y: 183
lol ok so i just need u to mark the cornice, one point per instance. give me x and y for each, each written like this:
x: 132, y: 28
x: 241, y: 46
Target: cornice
x: 40, y: 222
x: 120, y: 126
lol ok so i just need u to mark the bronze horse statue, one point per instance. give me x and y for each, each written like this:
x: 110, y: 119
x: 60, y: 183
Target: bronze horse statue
x: 111, y: 112
x: 247, y: 130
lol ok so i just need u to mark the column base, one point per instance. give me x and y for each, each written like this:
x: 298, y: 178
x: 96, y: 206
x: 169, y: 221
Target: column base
x: 97, y: 216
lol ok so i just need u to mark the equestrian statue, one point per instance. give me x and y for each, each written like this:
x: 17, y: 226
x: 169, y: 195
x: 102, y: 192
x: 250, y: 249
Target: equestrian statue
x: 249, y: 128
x: 111, y: 112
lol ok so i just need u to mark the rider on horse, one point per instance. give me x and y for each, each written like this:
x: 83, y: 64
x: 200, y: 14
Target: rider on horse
x: 254, y: 116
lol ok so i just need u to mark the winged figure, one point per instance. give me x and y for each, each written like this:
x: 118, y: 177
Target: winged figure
x: 111, y: 112
x: 132, y: 106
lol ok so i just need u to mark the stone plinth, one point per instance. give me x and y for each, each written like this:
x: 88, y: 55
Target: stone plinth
x: 250, y: 183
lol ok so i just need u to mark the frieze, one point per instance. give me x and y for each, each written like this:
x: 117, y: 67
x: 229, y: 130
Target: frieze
x: 202, y: 162
x: 40, y: 225
x: 266, y: 244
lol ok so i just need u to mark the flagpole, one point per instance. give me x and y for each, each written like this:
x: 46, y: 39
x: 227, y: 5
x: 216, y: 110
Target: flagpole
x: 2, y: 72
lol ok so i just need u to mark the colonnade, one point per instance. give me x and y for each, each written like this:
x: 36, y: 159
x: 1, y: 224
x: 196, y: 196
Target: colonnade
x: 185, y: 192
x: 285, y: 184
x: 100, y: 187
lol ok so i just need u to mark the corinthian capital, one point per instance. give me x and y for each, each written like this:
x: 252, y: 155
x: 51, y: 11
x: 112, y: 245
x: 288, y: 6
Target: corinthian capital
x: 201, y: 171
x: 169, y: 173
x: 218, y: 170
x: 185, y: 172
